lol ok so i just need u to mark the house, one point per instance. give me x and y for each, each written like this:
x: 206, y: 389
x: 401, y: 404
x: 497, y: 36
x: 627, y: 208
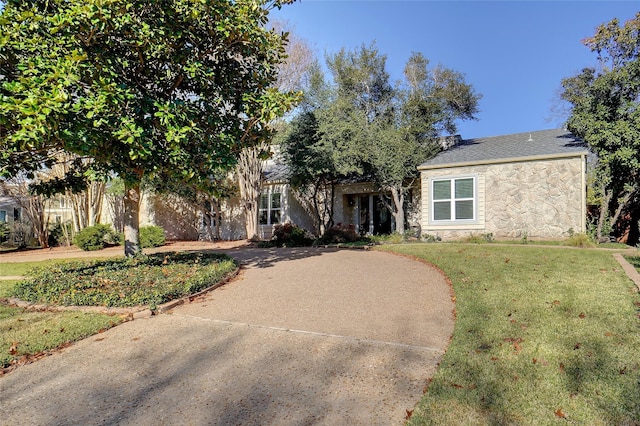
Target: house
x: 526, y: 184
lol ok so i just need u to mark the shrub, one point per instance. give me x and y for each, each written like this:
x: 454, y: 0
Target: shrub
x: 479, y: 238
x: 394, y: 238
x: 580, y: 240
x: 340, y: 234
x: 92, y: 237
x: 151, y: 236
x: 290, y: 235
x: 59, y: 235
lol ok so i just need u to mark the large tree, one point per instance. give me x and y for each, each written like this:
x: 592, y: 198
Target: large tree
x: 385, y: 131
x: 605, y: 113
x: 139, y: 87
x: 290, y: 76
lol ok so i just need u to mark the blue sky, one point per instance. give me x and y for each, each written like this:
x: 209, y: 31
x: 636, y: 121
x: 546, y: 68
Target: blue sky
x: 515, y: 53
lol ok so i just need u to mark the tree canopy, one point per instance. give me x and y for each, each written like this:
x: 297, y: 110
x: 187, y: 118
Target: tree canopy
x: 380, y: 130
x: 166, y: 88
x: 605, y: 113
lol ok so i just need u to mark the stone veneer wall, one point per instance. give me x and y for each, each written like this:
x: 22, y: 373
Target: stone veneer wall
x: 543, y: 199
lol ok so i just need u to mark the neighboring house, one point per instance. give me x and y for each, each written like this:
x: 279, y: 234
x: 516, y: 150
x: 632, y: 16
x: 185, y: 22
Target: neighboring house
x: 526, y: 184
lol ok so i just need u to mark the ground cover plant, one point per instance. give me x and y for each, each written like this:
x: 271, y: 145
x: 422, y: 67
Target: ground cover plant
x: 142, y: 280
x: 543, y: 335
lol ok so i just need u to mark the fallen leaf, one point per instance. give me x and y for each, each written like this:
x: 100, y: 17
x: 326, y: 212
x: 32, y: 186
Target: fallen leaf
x: 560, y: 413
x: 555, y: 302
x: 135, y: 338
x: 99, y: 339
x: 457, y: 386
x: 562, y: 367
x: 13, y: 349
x: 409, y: 414
x: 608, y: 333
x: 62, y: 330
x: 582, y: 315
x: 577, y: 346
x: 623, y: 371
x: 507, y: 260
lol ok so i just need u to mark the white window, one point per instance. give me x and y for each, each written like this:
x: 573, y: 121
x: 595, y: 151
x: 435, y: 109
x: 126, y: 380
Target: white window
x: 453, y: 199
x: 3, y: 215
x: 270, y: 208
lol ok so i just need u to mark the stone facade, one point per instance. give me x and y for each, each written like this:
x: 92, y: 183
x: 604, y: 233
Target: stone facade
x: 539, y: 199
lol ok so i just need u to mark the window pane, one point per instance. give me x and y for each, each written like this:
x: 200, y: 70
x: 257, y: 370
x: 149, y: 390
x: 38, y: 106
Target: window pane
x: 464, y: 210
x: 464, y: 188
x: 263, y: 217
x: 3, y: 215
x: 264, y: 201
x: 442, y: 211
x: 275, y: 216
x: 275, y: 200
x: 442, y: 190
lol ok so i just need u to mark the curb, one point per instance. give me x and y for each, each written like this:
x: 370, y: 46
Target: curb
x: 629, y: 269
x: 166, y: 307
x: 137, y: 312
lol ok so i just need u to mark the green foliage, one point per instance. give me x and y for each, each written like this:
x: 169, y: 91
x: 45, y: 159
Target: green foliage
x: 169, y: 89
x: 393, y: 238
x: 59, y: 234
x: 363, y: 127
x: 151, y: 236
x: 290, y: 235
x: 93, y: 237
x: 4, y: 231
x: 538, y: 331
x: 605, y: 113
x: 339, y: 234
x: 479, y: 238
x: 580, y: 240
x: 142, y: 280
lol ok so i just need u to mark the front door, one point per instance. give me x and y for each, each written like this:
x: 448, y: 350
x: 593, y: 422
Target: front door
x: 374, y: 216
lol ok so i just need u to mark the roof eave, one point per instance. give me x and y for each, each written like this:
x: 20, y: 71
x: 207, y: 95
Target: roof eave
x: 505, y: 160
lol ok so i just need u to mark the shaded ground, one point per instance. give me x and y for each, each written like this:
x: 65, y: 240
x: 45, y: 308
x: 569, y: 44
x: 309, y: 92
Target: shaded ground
x: 303, y: 336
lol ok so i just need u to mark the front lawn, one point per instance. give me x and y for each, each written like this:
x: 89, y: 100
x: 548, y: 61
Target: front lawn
x: 542, y: 336
x: 148, y: 280
x: 25, y: 334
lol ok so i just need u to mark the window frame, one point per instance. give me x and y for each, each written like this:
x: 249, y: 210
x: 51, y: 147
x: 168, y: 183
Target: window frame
x: 6, y: 216
x: 269, y: 209
x: 452, y: 200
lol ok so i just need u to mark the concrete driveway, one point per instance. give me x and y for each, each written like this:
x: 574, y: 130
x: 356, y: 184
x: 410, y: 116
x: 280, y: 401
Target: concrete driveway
x: 303, y: 336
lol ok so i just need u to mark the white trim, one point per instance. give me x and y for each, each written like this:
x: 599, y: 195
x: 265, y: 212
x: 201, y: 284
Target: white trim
x: 452, y: 201
x: 502, y: 161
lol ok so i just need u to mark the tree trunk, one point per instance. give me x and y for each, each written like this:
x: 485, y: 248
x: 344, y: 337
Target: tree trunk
x: 132, y: 219
x: 398, y: 211
x: 604, y: 213
x: 250, y: 167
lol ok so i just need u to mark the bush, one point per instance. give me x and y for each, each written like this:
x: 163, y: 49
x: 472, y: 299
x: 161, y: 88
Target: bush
x: 290, y: 235
x: 580, y: 240
x: 93, y: 237
x: 59, y: 235
x: 151, y: 236
x: 340, y: 234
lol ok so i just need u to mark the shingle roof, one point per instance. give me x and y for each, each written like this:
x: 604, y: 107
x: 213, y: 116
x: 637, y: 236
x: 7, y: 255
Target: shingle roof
x: 538, y: 144
x: 276, y: 172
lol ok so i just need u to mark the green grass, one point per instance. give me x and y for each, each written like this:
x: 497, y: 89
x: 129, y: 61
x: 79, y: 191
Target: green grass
x: 152, y: 279
x: 542, y: 336
x: 21, y: 268
x: 26, y: 333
